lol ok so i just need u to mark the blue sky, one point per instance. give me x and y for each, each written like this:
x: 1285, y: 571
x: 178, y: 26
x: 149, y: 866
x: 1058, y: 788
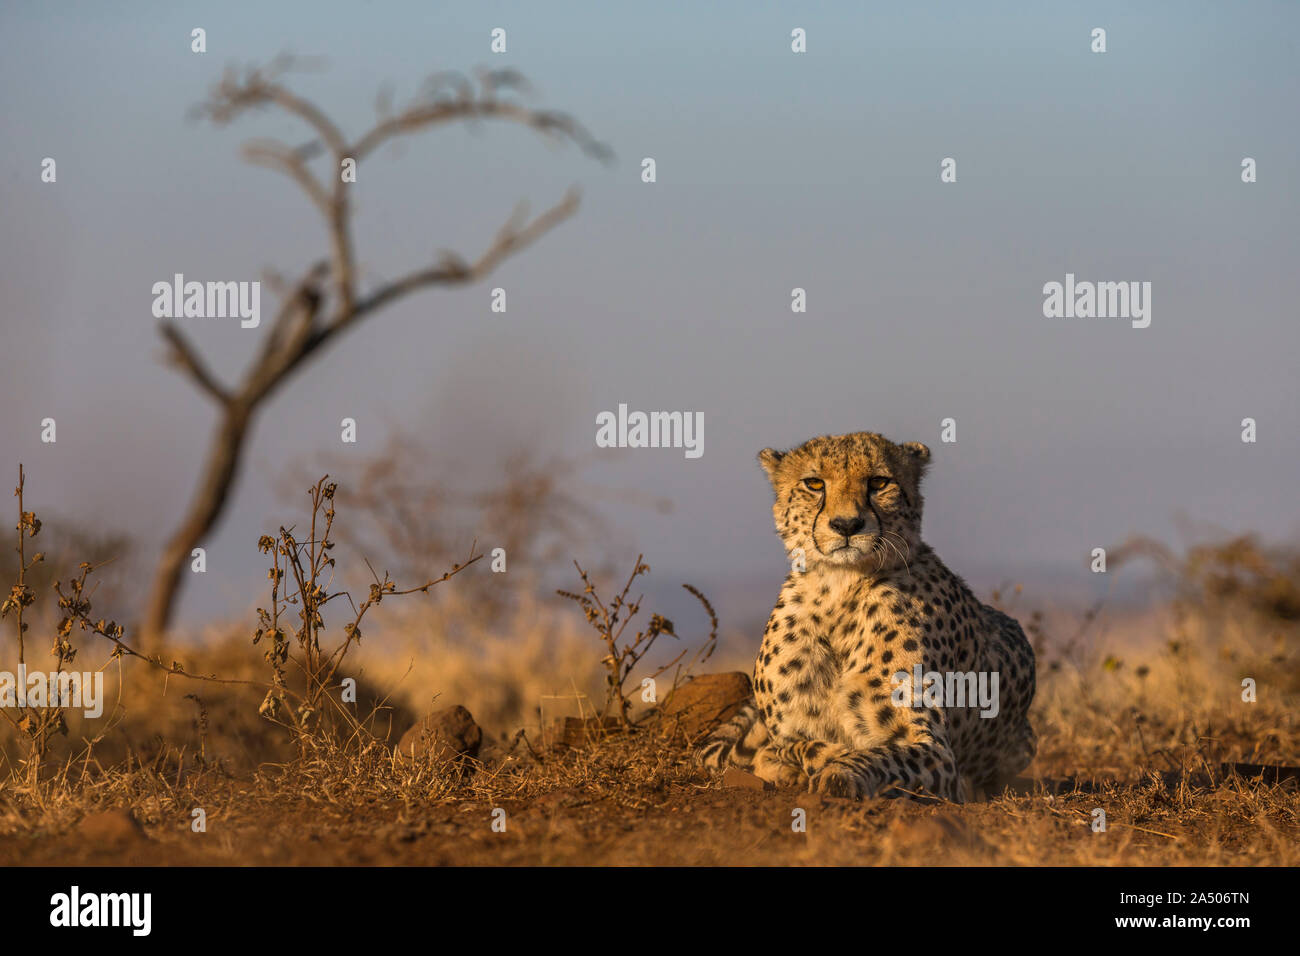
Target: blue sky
x: 775, y: 170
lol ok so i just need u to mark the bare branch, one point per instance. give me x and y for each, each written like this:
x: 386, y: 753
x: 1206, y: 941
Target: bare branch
x: 451, y: 269
x: 289, y: 161
x: 233, y: 96
x: 182, y: 355
x: 294, y: 326
x: 417, y: 117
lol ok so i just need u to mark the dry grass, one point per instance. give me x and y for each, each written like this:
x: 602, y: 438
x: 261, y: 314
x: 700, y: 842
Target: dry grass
x: 1137, y: 715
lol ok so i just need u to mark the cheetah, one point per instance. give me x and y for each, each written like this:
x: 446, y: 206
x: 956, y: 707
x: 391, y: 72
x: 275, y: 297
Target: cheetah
x: 846, y: 699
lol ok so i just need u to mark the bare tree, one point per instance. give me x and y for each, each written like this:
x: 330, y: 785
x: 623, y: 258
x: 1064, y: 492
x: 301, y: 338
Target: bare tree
x: 325, y: 301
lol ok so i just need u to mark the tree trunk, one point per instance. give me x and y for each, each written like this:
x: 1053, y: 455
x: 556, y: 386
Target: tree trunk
x: 209, y: 502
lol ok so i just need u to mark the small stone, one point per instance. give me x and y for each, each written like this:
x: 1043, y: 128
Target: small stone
x: 939, y: 829
x: 444, y: 735
x: 702, y: 704
x: 576, y: 732
x: 110, y: 827
x: 735, y: 777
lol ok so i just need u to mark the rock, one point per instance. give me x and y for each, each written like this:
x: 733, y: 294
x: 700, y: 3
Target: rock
x: 579, y: 731
x: 943, y: 828
x: 110, y: 827
x: 700, y: 705
x: 560, y: 799
x: 735, y: 777
x: 442, y: 736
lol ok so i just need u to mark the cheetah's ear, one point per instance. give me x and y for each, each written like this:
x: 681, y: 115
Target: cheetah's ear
x: 770, y: 458
x: 920, y: 453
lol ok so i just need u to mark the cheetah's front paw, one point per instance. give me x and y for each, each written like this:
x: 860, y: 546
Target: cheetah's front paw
x: 835, y: 780
x: 780, y: 773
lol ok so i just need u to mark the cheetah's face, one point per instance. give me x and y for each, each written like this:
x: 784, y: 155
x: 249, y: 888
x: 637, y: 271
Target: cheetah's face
x: 851, y: 501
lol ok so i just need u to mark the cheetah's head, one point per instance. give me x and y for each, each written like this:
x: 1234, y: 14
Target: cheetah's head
x: 851, y: 501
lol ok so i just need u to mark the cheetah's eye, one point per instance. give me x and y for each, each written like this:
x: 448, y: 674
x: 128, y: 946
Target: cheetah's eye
x: 814, y: 484
x: 875, y: 484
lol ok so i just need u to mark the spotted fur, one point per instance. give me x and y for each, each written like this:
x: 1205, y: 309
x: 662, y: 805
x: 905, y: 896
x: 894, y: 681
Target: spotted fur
x: 865, y: 600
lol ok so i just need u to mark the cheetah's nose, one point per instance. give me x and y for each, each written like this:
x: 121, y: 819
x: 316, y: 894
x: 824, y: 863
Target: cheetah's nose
x: 847, y: 526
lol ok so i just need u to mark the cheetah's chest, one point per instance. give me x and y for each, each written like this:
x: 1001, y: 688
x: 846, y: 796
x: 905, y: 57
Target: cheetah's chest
x: 823, y: 633
x: 846, y: 635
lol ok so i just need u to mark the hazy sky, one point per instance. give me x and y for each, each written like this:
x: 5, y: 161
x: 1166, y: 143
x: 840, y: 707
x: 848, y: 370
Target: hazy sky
x: 775, y: 170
